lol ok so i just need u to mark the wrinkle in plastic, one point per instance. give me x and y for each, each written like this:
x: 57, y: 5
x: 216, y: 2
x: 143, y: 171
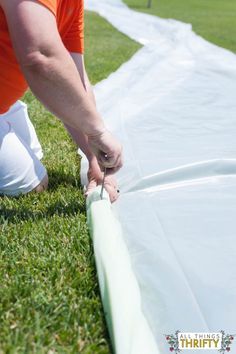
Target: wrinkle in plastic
x: 173, y: 107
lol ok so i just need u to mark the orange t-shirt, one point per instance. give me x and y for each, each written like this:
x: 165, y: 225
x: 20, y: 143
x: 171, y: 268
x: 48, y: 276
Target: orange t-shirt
x: 70, y: 22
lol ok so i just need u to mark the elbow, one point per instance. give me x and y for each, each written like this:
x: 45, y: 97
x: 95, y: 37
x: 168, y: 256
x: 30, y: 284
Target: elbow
x: 37, y: 63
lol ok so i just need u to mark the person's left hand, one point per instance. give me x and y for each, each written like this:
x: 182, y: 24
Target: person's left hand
x: 95, y: 178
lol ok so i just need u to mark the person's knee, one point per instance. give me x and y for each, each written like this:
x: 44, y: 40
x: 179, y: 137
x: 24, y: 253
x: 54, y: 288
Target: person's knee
x: 42, y: 186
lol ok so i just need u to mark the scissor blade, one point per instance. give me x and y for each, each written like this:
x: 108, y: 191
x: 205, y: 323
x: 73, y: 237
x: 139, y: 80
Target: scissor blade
x: 103, y: 183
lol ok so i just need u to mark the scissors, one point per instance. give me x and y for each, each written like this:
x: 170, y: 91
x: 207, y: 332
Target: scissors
x: 103, y: 181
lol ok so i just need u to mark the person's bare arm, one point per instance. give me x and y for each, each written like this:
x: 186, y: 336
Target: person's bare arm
x: 95, y: 176
x: 78, y: 60
x: 78, y: 136
x: 53, y: 76
x: 79, y: 63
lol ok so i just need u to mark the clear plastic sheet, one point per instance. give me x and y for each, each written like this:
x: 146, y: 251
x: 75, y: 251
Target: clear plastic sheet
x: 173, y: 106
x: 128, y: 327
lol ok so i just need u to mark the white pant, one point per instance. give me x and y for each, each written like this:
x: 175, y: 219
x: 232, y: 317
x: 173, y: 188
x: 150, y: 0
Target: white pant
x: 20, y: 152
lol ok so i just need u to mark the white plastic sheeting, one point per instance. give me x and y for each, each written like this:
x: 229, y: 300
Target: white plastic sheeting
x: 129, y: 330
x: 173, y: 106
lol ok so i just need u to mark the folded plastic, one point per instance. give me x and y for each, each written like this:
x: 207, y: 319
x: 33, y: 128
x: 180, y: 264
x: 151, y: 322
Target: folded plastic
x: 120, y: 293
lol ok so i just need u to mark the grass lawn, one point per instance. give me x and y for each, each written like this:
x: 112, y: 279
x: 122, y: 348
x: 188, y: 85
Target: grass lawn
x: 49, y: 295
x: 215, y: 20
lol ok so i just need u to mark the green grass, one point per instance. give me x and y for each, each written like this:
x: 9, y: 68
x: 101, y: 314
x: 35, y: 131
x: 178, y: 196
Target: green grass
x: 49, y: 295
x: 103, y: 59
x: 215, y: 20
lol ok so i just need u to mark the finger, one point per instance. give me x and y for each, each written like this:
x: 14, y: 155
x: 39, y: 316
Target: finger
x: 111, y: 163
x: 111, y: 180
x: 90, y: 187
x: 113, y: 194
x: 103, y: 158
x: 113, y: 170
x: 112, y: 191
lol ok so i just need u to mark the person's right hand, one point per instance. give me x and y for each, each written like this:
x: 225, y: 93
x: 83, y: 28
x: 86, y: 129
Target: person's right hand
x: 95, y: 178
x: 107, y: 150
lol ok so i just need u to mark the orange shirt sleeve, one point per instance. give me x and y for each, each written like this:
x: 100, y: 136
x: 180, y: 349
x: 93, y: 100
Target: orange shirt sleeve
x: 74, y: 38
x: 50, y: 4
x: 72, y: 33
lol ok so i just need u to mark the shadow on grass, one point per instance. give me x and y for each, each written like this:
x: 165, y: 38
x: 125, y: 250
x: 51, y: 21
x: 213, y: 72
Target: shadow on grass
x: 63, y: 207
x: 58, y: 178
x: 14, y: 215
